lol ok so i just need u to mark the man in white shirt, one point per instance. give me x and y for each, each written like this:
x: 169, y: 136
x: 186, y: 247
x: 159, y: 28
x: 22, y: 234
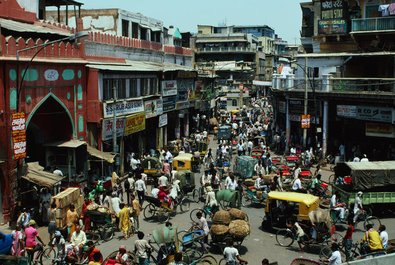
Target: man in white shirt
x: 78, y: 239
x: 58, y: 172
x: 155, y: 191
x: 383, y: 236
x: 364, y: 158
x: 163, y: 181
x: 202, y: 223
x: 115, y: 201
x: 358, y: 208
x: 260, y: 184
x: 337, y: 206
x: 134, y: 161
x: 297, y: 171
x: 141, y: 189
x: 297, y: 185
x: 335, y: 258
x: 232, y: 254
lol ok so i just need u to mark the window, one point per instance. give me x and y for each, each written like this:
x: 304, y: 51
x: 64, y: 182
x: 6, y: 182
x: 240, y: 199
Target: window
x: 135, y: 30
x: 125, y: 28
x: 133, y: 88
x: 143, y: 33
x: 109, y: 84
x: 154, y: 86
x: 234, y: 102
x: 145, y: 87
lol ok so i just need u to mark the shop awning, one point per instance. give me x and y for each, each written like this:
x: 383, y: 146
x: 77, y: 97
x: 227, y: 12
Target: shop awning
x: 36, y: 174
x: 67, y: 144
x: 106, y: 156
x: 167, y: 67
x: 261, y: 83
x: 129, y: 66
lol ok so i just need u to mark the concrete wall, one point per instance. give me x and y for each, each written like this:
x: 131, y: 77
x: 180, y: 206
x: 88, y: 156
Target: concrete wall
x: 382, y: 260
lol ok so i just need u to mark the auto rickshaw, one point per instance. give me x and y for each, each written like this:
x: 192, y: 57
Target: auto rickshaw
x: 152, y: 167
x: 283, y: 206
x: 187, y: 181
x: 185, y: 161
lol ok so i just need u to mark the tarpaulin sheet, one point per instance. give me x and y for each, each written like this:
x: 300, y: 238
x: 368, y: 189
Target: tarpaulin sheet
x: 369, y: 175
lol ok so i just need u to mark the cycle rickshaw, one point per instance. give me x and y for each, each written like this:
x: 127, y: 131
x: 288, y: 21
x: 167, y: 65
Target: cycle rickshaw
x: 152, y: 167
x: 102, y: 226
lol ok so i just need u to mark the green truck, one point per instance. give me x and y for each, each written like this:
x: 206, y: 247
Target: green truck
x: 375, y: 179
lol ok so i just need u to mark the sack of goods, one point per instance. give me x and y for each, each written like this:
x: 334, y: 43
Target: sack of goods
x: 249, y: 182
x: 237, y: 214
x: 239, y: 228
x: 219, y: 230
x: 222, y: 217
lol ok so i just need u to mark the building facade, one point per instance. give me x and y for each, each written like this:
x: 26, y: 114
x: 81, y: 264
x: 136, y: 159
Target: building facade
x: 344, y: 80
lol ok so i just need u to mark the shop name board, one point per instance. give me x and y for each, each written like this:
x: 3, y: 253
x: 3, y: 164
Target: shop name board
x: 18, y: 129
x: 169, y: 104
x: 333, y: 17
x: 336, y: 26
x: 162, y: 120
x: 366, y: 113
x: 134, y: 123
x: 107, y: 128
x: 380, y: 130
x: 153, y: 108
x: 169, y: 88
x: 122, y: 107
x: 332, y: 9
x: 184, y: 74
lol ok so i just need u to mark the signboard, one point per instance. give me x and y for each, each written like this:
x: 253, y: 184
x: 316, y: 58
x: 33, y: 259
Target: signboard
x: 51, y: 75
x: 162, y: 120
x: 122, y: 107
x: 153, y: 108
x: 134, y: 123
x: 169, y: 104
x: 305, y: 121
x: 380, y: 130
x: 18, y: 129
x: 366, y: 113
x: 333, y: 17
x: 169, y: 88
x: 107, y: 128
x: 298, y: 118
x: 182, y: 105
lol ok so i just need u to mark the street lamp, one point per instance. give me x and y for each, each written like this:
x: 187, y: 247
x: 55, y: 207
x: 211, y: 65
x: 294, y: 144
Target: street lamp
x: 39, y: 48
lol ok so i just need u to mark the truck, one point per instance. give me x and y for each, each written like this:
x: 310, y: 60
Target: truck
x: 375, y: 179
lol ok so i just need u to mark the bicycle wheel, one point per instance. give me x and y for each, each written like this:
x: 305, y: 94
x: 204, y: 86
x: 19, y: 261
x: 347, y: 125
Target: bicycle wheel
x: 107, y: 232
x: 284, y: 237
x: 245, y: 200
x: 337, y: 238
x: 373, y: 220
x: 191, y: 255
x: 93, y: 236
x: 207, y: 260
x: 331, y: 178
x: 196, y: 195
x: 325, y: 252
x: 193, y: 213
x: 222, y: 262
x: 48, y: 256
x: 149, y: 211
x: 185, y: 205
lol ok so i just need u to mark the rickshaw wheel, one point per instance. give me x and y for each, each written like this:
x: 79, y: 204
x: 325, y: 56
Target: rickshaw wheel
x: 325, y: 251
x: 244, y: 200
x: 196, y: 195
x: 149, y: 211
x: 374, y: 221
x: 48, y: 256
x: 185, y: 205
x: 191, y: 254
x: 107, y: 232
x: 193, y: 213
x: 207, y: 260
x: 284, y: 237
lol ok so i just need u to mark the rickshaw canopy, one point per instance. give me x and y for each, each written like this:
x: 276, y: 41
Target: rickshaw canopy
x: 306, y: 199
x: 183, y: 157
x: 183, y: 161
x: 187, y: 180
x: 151, y: 163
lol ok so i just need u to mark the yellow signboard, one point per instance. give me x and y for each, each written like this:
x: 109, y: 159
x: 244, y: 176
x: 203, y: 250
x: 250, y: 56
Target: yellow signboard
x: 134, y: 123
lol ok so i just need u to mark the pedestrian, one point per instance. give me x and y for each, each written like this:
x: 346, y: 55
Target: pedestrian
x: 231, y: 253
x: 358, y: 208
x: 372, y: 239
x: 18, y: 242
x: 383, y: 236
x: 335, y: 258
x: 265, y: 262
x: 126, y: 185
x: 347, y: 240
x: 52, y: 220
x: 71, y: 220
x: 124, y: 220
x: 141, y: 247
x: 141, y: 189
x: 114, y: 179
x: 45, y: 202
x: 136, y: 209
x: 122, y: 256
x: 23, y: 218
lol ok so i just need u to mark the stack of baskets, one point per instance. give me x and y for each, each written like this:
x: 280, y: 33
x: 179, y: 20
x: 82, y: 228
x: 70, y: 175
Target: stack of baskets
x: 232, y: 223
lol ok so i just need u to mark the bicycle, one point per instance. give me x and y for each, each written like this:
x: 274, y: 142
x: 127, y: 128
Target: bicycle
x: 206, y: 211
x: 365, y: 217
x: 43, y: 256
x: 357, y: 251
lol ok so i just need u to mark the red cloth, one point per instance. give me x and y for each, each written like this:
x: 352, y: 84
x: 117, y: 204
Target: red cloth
x: 349, y: 232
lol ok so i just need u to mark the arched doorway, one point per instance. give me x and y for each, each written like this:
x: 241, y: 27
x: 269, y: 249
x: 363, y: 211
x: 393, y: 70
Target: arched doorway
x: 50, y: 121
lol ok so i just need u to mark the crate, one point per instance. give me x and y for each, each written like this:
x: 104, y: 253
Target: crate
x: 67, y: 197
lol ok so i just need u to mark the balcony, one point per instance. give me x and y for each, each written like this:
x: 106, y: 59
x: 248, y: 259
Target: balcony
x: 361, y: 25
x: 226, y: 50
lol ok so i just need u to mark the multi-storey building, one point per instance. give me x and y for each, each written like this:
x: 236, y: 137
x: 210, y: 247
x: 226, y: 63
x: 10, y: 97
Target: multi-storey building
x: 344, y: 80
x: 75, y: 83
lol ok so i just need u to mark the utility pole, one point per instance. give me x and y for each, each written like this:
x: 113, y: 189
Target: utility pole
x: 306, y: 98
x: 114, y: 125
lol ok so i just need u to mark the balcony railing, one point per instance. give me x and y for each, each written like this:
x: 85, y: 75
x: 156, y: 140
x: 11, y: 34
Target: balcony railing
x: 373, y: 24
x: 334, y: 84
x: 226, y: 49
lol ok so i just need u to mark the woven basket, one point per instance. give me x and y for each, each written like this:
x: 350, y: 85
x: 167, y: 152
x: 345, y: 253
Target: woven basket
x: 237, y: 214
x: 239, y: 228
x: 219, y: 230
x: 222, y: 217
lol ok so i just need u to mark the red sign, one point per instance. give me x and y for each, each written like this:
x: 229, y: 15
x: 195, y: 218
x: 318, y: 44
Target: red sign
x: 18, y: 125
x: 305, y: 121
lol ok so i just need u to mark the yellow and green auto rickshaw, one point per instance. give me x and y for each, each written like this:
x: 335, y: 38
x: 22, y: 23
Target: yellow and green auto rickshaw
x: 284, y: 206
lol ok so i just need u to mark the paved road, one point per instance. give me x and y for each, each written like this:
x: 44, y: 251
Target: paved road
x: 257, y: 245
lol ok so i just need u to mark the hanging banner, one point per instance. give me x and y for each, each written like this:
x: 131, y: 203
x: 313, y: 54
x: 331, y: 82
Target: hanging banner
x: 18, y: 128
x: 153, y: 108
x: 134, y: 123
x: 305, y: 121
x: 107, y: 128
x: 162, y: 120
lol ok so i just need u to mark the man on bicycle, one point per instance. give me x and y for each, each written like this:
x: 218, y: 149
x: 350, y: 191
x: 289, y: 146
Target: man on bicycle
x: 59, y: 244
x: 31, y: 235
x: 358, y: 208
